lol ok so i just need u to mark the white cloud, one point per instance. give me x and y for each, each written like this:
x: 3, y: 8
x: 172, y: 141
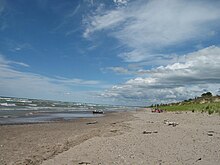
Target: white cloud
x: 118, y: 70
x: 76, y: 81
x: 133, y: 56
x: 26, y: 84
x: 101, y: 22
x: 73, y: 13
x: 197, y: 72
x: 6, y: 63
x: 148, y: 27
x: 120, y: 2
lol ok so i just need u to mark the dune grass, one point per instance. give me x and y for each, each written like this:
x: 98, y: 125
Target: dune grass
x: 194, y: 107
x: 205, y: 103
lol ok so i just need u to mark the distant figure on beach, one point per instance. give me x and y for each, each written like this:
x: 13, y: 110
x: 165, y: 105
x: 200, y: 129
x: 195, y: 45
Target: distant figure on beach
x: 157, y: 110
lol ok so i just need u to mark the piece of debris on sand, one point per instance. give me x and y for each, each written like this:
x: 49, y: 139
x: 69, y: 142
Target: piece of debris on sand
x: 169, y: 123
x: 84, y: 163
x: 150, y: 132
x: 93, y: 122
x: 210, y: 133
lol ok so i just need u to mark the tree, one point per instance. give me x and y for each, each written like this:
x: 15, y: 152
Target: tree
x: 207, y: 94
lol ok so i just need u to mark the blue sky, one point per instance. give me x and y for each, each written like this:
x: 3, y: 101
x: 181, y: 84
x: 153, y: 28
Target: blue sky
x: 132, y: 52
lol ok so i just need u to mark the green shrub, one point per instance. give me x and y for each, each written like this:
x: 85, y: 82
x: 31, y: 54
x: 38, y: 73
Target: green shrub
x: 207, y: 107
x: 210, y: 111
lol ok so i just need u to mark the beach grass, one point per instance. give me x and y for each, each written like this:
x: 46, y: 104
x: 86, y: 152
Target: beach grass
x: 194, y: 107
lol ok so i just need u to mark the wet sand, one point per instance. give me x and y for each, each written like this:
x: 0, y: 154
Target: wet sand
x: 138, y: 137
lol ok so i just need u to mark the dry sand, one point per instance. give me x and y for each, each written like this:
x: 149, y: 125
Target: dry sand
x: 123, y: 138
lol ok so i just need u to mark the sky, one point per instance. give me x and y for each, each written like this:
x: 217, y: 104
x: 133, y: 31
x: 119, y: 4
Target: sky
x: 121, y: 52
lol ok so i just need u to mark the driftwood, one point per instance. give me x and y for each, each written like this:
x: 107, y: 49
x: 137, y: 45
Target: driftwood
x: 93, y: 122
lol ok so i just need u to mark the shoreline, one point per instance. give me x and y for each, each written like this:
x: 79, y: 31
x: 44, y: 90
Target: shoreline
x: 132, y: 137
x: 36, y: 142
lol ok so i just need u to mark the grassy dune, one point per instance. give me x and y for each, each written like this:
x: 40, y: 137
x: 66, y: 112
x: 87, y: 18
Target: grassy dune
x: 205, y: 103
x: 206, y: 107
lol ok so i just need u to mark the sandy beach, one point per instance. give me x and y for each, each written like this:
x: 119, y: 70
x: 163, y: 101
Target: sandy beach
x: 138, y: 137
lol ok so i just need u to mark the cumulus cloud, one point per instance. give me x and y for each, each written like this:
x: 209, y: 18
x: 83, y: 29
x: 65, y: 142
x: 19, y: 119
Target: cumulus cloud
x: 197, y: 72
x: 148, y: 27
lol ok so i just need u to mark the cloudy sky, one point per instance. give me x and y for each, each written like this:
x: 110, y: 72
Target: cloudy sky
x: 130, y: 52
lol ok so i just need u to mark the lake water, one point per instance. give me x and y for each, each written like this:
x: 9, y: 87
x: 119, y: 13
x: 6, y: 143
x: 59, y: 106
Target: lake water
x: 25, y: 115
